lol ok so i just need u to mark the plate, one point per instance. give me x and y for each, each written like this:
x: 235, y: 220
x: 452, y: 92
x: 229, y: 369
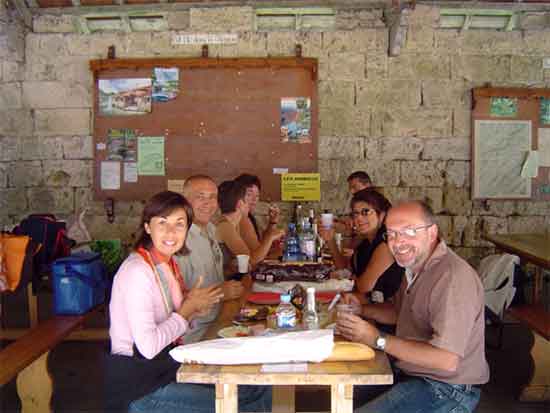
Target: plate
x: 234, y: 331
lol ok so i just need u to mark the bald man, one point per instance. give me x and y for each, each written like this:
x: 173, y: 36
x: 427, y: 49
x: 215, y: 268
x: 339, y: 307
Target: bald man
x: 439, y: 344
x: 205, y: 258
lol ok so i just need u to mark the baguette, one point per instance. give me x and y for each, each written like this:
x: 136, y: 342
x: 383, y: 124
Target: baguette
x: 348, y: 351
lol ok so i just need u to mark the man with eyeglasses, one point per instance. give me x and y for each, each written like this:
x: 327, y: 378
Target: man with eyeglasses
x: 205, y: 257
x: 439, y: 345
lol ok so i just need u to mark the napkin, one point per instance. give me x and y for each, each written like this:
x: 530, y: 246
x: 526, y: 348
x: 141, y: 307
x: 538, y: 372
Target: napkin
x: 284, y: 286
x: 296, y: 346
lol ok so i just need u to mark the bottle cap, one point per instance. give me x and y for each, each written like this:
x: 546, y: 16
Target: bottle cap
x: 285, y: 298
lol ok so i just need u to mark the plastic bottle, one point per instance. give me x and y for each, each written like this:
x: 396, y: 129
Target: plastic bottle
x: 286, y: 314
x: 292, y: 245
x: 310, y: 319
x: 307, y: 243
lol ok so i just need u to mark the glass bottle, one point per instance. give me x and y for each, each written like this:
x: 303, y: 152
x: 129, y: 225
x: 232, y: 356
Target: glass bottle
x: 310, y: 319
x: 292, y: 245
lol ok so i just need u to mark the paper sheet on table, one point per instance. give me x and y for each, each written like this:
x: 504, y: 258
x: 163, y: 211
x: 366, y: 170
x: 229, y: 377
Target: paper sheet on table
x: 284, y: 286
x: 296, y: 346
x: 531, y: 165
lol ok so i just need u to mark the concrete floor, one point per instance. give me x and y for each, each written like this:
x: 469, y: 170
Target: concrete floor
x: 76, y: 369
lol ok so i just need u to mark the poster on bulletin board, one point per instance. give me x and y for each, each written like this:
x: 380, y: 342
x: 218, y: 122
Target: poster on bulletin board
x: 301, y: 187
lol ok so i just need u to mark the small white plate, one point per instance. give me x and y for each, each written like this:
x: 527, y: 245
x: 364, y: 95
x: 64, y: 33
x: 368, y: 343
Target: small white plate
x: 234, y: 331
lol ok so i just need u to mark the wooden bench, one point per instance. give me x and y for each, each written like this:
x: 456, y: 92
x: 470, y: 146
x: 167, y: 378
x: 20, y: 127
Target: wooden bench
x: 27, y: 358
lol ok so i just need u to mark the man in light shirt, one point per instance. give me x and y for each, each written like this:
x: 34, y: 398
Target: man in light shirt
x: 205, y: 257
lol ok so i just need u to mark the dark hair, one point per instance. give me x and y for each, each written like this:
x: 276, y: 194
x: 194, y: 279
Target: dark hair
x: 249, y: 180
x: 229, y: 194
x: 361, y: 176
x: 375, y: 199
x: 161, y: 205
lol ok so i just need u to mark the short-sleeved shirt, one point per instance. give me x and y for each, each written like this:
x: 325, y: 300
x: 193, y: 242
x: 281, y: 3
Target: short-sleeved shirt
x: 390, y: 280
x: 444, y: 306
x: 205, y: 258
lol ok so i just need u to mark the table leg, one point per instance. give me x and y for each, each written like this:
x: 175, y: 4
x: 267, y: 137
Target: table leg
x: 341, y: 398
x: 538, y: 388
x: 34, y: 386
x: 227, y: 399
x: 283, y: 399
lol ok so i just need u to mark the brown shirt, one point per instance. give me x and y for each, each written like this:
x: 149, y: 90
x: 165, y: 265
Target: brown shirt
x: 444, y: 306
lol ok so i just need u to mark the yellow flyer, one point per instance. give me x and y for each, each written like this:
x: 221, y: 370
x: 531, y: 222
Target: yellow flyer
x: 301, y: 187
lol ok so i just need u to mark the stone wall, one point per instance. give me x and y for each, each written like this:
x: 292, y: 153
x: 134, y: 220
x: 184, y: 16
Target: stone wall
x: 405, y: 119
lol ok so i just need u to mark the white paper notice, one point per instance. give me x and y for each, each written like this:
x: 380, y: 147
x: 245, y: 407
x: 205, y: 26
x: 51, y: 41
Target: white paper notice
x: 110, y: 175
x: 130, y: 172
x: 101, y: 146
x: 284, y: 368
x: 280, y: 171
x: 531, y: 165
x: 544, y: 147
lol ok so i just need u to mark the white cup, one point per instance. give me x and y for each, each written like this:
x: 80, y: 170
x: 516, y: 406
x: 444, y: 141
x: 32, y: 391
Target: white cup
x: 326, y: 220
x: 242, y: 263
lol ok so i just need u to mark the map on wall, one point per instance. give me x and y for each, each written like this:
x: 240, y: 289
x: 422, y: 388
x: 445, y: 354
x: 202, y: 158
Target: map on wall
x: 500, y: 151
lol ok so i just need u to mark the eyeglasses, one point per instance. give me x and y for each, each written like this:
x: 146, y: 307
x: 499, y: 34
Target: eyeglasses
x: 364, y: 212
x: 408, y: 233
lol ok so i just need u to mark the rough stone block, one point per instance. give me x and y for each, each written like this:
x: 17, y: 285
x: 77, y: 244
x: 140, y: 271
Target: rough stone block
x: 445, y: 228
x: 356, y: 19
x: 529, y: 207
x: 53, y: 200
x: 491, y: 42
x: 456, y: 201
x: 336, y: 93
x: 53, y: 24
x: 473, y: 231
x: 422, y: 173
x: 37, y: 148
x: 534, y: 20
x: 447, y: 42
x: 526, y: 68
x: 250, y: 44
x: 432, y: 123
x: 454, y: 148
x: 462, y: 123
x: 10, y: 96
x: 178, y: 20
x: 12, y: 71
x: 77, y: 147
x: 457, y: 173
x: 40, y: 71
x: 343, y: 122
x: 396, y: 194
x: 13, y: 201
x: 397, y: 149
x: 139, y: 44
x: 494, y: 225
x: 356, y: 41
x: 96, y: 45
x: 458, y: 230
x: 48, y: 95
x: 377, y: 65
x: 84, y: 198
x: 68, y: 173
x: 8, y: 148
x: 347, y: 66
x: 481, y: 68
x: 25, y: 174
x: 420, y: 66
x: 334, y: 197
x: 420, y: 38
x: 535, y: 43
x: 124, y: 228
x: 473, y: 255
x: 497, y: 208
x: 284, y: 43
x: 382, y: 173
x: 388, y: 93
x: 330, y: 170
x: 432, y: 196
x: 525, y: 225
x: 446, y: 93
x: 220, y: 19
x: 341, y: 148
x: 425, y: 15
x: 15, y: 122
x: 41, y: 47
x: 74, y: 70
x: 62, y: 122
x: 4, y: 175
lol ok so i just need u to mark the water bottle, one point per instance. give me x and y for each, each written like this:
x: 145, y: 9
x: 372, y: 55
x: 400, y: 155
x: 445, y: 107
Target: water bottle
x: 286, y: 314
x: 310, y: 319
x: 307, y: 243
x: 292, y: 245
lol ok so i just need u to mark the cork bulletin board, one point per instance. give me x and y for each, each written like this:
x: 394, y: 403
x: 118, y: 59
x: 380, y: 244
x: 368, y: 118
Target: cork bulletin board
x: 511, y: 143
x: 226, y: 119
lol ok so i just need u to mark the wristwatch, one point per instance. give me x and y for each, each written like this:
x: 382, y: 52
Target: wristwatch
x: 380, y: 342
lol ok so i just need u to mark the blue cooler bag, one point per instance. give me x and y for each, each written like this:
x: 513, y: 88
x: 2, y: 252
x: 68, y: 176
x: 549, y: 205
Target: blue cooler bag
x: 79, y: 282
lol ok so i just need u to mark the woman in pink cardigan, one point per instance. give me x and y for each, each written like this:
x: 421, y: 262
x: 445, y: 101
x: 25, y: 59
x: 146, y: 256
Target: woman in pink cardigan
x: 151, y: 310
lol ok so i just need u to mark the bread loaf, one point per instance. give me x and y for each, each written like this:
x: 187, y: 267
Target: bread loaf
x: 348, y: 351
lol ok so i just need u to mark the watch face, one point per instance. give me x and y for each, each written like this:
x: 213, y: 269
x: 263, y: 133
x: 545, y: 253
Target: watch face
x: 381, y: 343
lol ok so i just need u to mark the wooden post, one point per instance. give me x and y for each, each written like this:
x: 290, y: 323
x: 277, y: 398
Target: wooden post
x: 227, y: 400
x: 341, y: 398
x: 34, y: 386
x: 283, y: 399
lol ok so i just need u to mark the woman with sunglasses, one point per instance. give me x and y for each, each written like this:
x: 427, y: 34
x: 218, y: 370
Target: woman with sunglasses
x: 372, y: 263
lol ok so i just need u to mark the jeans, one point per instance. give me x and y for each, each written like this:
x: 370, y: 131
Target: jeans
x: 200, y: 398
x: 417, y: 394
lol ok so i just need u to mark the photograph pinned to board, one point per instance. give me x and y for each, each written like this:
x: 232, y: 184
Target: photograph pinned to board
x: 166, y: 83
x: 130, y: 172
x: 545, y: 111
x: 296, y: 120
x: 151, y: 155
x: 504, y: 107
x: 122, y: 145
x: 110, y: 175
x: 124, y: 97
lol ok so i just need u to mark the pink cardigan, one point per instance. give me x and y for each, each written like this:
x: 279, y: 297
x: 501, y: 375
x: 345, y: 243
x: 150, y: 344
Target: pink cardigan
x: 138, y: 314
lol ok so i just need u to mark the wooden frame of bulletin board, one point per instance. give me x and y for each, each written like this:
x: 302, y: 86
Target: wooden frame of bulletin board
x: 511, y: 143
x: 225, y: 120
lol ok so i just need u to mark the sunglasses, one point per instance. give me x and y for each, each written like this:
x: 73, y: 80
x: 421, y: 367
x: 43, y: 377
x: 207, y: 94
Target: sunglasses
x: 364, y: 212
